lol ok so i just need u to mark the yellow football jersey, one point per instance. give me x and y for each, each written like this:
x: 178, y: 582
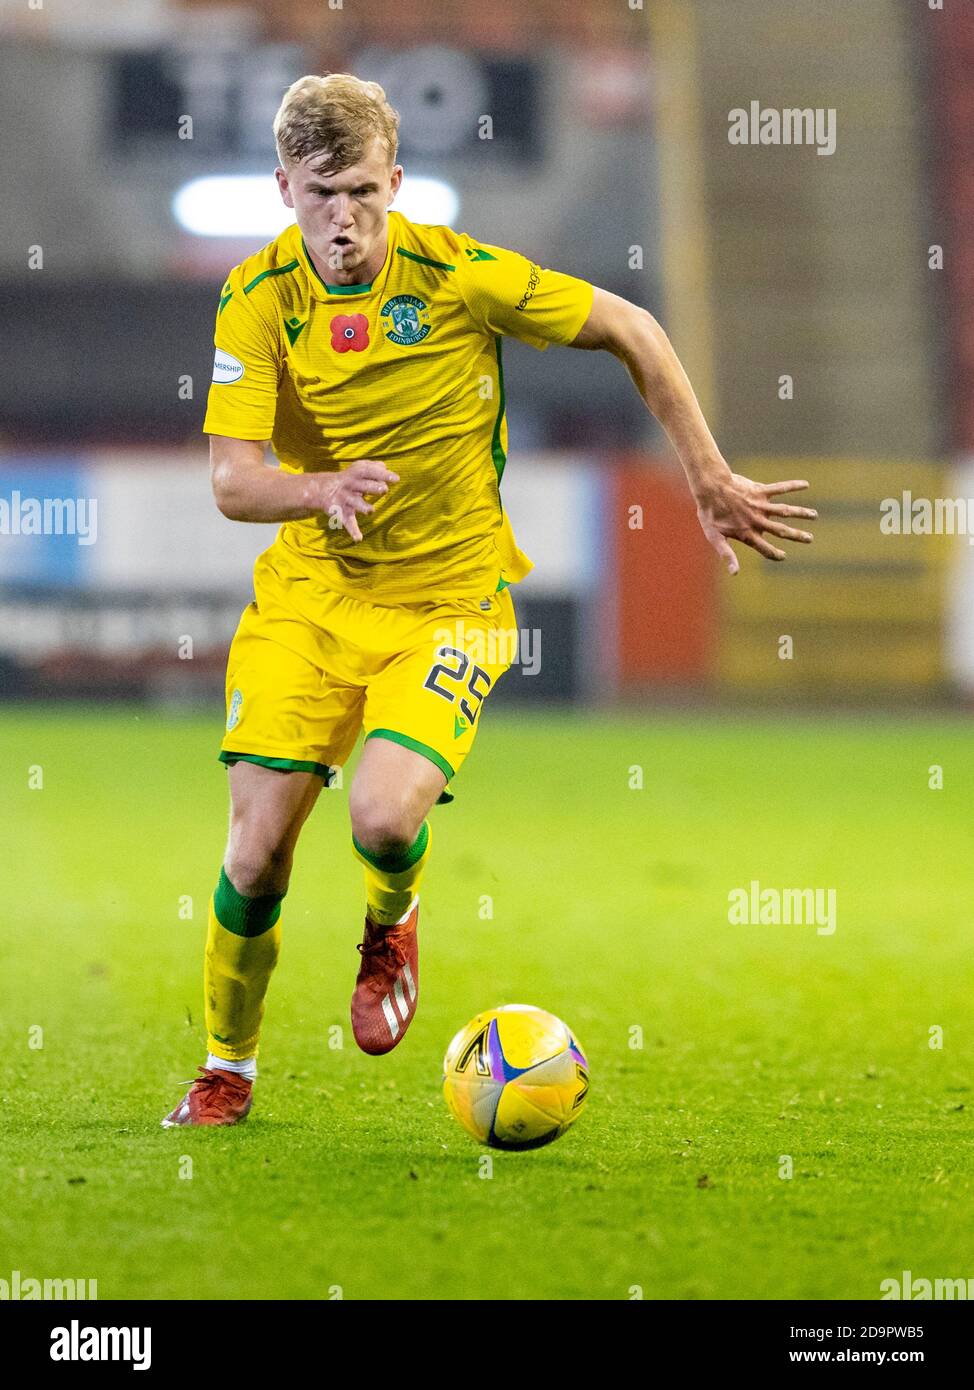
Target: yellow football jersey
x: 406, y: 370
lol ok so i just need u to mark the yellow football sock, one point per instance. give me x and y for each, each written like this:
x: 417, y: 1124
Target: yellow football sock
x: 242, y: 945
x: 392, y: 880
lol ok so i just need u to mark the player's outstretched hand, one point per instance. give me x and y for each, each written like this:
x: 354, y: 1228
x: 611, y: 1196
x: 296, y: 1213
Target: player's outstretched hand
x: 738, y: 509
x: 346, y: 492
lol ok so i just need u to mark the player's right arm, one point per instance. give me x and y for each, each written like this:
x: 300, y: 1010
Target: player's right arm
x: 247, y: 372
x: 248, y: 489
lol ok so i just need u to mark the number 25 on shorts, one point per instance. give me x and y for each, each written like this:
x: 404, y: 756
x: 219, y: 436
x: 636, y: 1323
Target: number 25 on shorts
x: 477, y: 682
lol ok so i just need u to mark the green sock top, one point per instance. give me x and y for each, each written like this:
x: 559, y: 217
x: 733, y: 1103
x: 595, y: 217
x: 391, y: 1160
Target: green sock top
x: 244, y: 916
x: 397, y: 863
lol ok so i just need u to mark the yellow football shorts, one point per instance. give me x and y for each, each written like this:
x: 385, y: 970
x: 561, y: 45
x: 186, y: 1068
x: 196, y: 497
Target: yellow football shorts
x: 309, y: 668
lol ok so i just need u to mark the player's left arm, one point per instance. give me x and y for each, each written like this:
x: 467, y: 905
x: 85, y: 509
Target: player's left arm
x: 729, y: 506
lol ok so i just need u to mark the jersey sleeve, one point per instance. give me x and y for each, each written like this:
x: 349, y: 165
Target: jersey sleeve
x: 247, y: 368
x: 506, y: 293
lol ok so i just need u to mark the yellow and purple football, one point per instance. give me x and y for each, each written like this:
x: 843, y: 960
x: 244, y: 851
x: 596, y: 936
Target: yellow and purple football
x: 515, y: 1077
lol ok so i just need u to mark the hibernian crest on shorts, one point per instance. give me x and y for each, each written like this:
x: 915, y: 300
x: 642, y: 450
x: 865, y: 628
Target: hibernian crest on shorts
x: 236, y: 704
x: 405, y: 319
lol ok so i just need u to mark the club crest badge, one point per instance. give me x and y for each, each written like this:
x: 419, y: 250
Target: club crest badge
x: 405, y: 319
x: 236, y: 704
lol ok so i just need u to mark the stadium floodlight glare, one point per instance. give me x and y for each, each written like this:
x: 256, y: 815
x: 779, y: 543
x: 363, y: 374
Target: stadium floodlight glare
x: 231, y: 205
x: 427, y: 200
x: 249, y: 205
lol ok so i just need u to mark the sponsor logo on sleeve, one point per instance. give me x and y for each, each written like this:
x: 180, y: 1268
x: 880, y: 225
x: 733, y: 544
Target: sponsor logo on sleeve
x: 226, y: 369
x: 534, y: 280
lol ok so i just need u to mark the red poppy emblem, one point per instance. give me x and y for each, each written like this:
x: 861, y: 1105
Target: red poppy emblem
x: 349, y: 332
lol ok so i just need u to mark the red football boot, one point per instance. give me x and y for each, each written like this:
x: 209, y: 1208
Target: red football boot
x: 215, y: 1098
x: 387, y: 988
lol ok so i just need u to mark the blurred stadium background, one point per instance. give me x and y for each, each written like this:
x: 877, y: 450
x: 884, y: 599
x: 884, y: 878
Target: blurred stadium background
x: 610, y: 160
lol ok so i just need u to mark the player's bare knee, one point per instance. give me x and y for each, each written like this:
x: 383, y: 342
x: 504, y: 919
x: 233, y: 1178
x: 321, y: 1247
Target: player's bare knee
x: 383, y: 829
x: 256, y: 871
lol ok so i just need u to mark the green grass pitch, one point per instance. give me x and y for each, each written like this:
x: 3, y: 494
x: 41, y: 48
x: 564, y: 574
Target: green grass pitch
x: 610, y: 909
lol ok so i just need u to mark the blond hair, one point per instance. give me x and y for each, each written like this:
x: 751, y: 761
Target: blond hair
x: 338, y: 115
